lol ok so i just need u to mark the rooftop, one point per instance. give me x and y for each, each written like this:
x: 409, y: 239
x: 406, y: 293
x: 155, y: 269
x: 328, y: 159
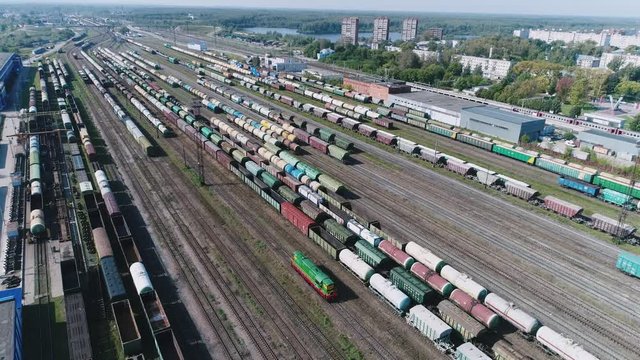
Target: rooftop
x: 7, y: 328
x: 502, y: 115
x: 604, y: 134
x: 434, y: 99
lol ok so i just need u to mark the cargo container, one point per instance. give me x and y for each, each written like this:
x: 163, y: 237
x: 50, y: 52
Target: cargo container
x: 460, y: 321
x: 562, y: 207
x: 389, y: 292
x: 112, y: 279
x: 315, y: 277
x: 611, y: 226
x: 475, y: 141
x: 341, y: 233
x: 472, y: 307
x: 297, y: 217
x: 371, y: 255
x: 617, y: 184
x: 397, y: 255
x: 514, y: 154
x: 578, y: 185
x: 520, y: 191
x: 629, y: 264
x: 468, y: 351
x: 442, y: 131
x: 326, y: 241
x: 429, y: 325
x: 618, y: 199
x: 564, y: 347
x: 130, y: 338
x: 557, y: 166
x: 518, y: 318
x: 417, y: 291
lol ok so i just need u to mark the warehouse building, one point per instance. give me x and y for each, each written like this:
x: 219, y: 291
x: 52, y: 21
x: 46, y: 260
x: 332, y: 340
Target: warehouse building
x: 11, y: 64
x: 623, y: 146
x: 378, y: 90
x: 442, y: 108
x: 11, y: 324
x: 506, y: 125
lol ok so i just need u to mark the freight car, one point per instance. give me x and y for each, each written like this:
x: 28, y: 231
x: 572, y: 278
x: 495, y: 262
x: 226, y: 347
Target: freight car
x: 430, y: 326
x: 130, y: 338
x: 355, y: 265
x: 564, y: 347
x: 503, y: 350
x: 464, y: 324
x: 389, y: 293
x: 315, y: 277
x: 578, y: 185
x: 611, y: 226
x: 629, y: 264
x: 417, y: 291
x: 468, y: 351
x: 518, y: 318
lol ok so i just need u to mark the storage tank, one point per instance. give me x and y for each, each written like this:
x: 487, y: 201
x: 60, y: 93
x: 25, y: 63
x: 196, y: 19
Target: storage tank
x: 140, y: 278
x: 37, y: 225
x: 396, y: 297
x: 463, y: 282
x: 424, y: 256
x: 564, y: 347
x: 508, y: 311
x: 429, y: 324
x: 432, y: 278
x: 355, y: 264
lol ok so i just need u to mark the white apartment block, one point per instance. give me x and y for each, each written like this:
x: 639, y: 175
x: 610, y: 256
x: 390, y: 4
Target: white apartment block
x: 349, y: 33
x: 587, y: 61
x: 409, y: 29
x: 607, y: 58
x: 493, y: 69
x: 380, y: 30
x: 602, y: 39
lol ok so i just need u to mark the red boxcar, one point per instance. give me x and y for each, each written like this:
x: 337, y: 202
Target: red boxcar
x: 301, y: 134
x: 297, y: 217
x: 318, y: 144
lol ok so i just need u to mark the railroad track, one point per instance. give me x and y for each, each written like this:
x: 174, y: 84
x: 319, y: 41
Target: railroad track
x: 357, y: 327
x: 239, y: 316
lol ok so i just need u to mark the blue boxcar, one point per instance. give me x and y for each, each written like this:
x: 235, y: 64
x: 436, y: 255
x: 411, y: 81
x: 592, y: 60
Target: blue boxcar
x: 629, y: 264
x: 112, y: 279
x: 583, y: 187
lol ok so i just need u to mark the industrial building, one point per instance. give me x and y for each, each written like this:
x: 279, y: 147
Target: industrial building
x: 623, y: 146
x: 287, y: 64
x: 409, y: 29
x: 506, y: 125
x: 493, y: 69
x: 378, y: 90
x: 442, y: 108
x: 349, y: 33
x: 11, y: 64
x: 434, y: 33
x: 380, y: 29
x: 199, y: 46
x: 324, y: 53
x: 322, y: 74
x: 11, y: 324
x: 604, y: 119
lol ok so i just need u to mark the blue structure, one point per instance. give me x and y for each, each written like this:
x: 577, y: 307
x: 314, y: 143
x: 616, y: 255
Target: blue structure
x: 10, y: 65
x: 11, y: 324
x: 578, y: 185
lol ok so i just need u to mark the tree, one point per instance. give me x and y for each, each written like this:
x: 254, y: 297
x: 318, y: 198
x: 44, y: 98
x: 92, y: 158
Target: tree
x: 407, y: 59
x: 616, y: 64
x: 628, y: 88
x: 578, y: 92
x: 525, y: 139
x: 563, y: 86
x: 634, y: 124
x: 568, y: 136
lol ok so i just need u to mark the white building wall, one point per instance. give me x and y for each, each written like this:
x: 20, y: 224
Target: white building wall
x: 491, y: 68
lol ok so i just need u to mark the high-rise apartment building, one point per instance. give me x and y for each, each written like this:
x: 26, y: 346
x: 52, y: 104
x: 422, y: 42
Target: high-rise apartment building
x: 349, y: 31
x: 380, y: 29
x: 409, y: 29
x: 434, y: 33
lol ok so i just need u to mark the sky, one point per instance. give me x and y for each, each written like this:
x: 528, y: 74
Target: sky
x: 617, y: 8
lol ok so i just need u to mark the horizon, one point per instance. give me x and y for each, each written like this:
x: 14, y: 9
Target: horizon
x: 510, y: 9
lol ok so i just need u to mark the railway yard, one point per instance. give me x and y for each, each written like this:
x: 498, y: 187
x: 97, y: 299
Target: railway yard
x: 185, y: 186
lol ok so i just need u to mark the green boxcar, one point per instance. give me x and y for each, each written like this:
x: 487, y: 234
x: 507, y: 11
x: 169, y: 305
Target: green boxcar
x: 189, y: 119
x: 617, y: 198
x: 564, y: 170
x: 369, y: 254
x: 239, y: 157
x: 418, y: 123
x: 327, y: 135
x: 331, y: 183
x: 343, y: 143
x: 288, y: 157
x: 514, y: 154
x: 309, y: 170
x: 415, y: 289
x: 270, y: 180
x: 320, y: 281
x: 267, y: 196
x: 616, y: 186
x: 442, y: 131
x: 629, y: 264
x: 472, y: 140
x: 337, y: 152
x: 290, y: 195
x: 340, y: 232
x: 216, y: 138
